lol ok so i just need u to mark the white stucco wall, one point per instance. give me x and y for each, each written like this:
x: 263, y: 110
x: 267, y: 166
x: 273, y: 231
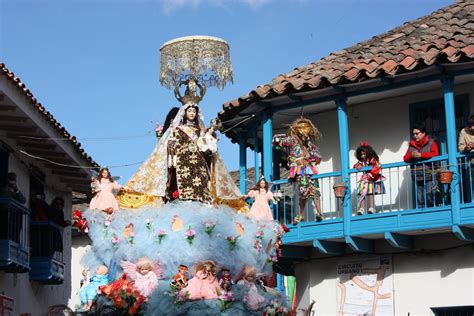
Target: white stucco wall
x: 80, y: 245
x: 34, y: 297
x: 420, y: 280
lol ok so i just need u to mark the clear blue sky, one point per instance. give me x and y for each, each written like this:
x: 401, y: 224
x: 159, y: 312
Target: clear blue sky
x: 95, y: 64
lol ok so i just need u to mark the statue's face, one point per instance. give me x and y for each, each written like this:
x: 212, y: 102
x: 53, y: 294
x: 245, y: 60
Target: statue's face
x: 191, y: 113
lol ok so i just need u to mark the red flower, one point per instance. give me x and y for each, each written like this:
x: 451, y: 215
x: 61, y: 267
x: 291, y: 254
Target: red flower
x: 285, y: 229
x: 136, y: 293
x: 175, y: 194
x: 132, y: 311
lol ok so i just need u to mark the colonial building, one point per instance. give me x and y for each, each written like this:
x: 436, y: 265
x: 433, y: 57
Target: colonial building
x: 408, y: 257
x: 35, y: 256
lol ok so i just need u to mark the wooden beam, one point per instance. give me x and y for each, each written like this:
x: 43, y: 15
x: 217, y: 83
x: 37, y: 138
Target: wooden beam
x: 463, y: 233
x: 37, y: 144
x: 7, y: 118
x: 399, y: 240
x: 6, y: 107
x: 295, y: 252
x: 48, y: 153
x: 359, y: 244
x: 19, y: 128
x: 329, y: 247
x: 71, y: 174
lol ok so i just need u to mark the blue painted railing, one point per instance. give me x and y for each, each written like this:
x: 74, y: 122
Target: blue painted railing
x: 47, y: 262
x: 394, y: 210
x: 14, y: 236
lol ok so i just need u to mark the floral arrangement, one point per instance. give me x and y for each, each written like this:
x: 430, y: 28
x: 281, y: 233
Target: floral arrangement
x: 277, y: 196
x: 161, y: 235
x: 190, y: 234
x: 209, y: 227
x: 106, y: 227
x: 129, y: 233
x: 272, y: 259
x: 79, y: 221
x: 149, y: 226
x: 127, y: 299
x: 259, y: 234
x: 159, y: 130
x: 181, y: 297
x: 258, y: 245
x: 115, y: 241
x: 233, y: 241
x: 275, y: 309
x: 226, y: 299
x: 175, y: 194
x: 131, y: 238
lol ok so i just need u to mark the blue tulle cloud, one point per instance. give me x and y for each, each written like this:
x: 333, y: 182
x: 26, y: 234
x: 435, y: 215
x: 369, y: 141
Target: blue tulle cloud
x: 111, y: 245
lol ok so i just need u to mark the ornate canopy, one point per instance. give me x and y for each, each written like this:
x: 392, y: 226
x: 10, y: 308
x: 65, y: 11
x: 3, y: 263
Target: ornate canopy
x: 204, y: 59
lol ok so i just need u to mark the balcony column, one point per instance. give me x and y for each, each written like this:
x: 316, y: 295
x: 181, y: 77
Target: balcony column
x: 267, y: 127
x: 255, y: 151
x: 447, y: 83
x: 344, y: 153
x: 243, y: 162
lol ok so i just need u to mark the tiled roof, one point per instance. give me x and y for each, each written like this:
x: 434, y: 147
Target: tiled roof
x: 445, y: 36
x: 60, y: 129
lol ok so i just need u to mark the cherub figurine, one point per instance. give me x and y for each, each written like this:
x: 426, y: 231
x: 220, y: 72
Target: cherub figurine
x: 225, y: 282
x: 203, y: 285
x: 144, y: 273
x: 180, y: 280
x: 88, y: 293
x: 190, y: 94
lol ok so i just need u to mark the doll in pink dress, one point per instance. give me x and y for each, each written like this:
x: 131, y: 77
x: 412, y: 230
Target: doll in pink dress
x: 253, y: 300
x: 203, y: 285
x: 260, y: 210
x: 144, y: 273
x: 103, y: 188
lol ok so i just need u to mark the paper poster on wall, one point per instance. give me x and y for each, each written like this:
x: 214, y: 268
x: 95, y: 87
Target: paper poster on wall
x: 364, y: 287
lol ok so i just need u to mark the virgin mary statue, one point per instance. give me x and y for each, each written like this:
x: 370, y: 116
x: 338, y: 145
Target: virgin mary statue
x: 184, y: 165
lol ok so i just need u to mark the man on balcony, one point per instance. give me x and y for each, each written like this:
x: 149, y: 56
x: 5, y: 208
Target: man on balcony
x: 422, y: 147
x: 10, y: 220
x: 466, y: 146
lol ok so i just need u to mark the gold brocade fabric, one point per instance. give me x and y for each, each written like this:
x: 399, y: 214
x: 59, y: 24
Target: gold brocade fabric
x: 130, y: 199
x: 150, y: 180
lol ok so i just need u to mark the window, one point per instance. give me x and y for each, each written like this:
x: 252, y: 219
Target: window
x: 453, y: 311
x: 431, y: 113
x: 3, y: 161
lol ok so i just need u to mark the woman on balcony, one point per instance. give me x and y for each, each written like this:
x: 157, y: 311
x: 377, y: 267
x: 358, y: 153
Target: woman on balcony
x: 422, y: 147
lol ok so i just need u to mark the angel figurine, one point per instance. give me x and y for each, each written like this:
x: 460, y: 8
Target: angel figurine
x: 144, y: 273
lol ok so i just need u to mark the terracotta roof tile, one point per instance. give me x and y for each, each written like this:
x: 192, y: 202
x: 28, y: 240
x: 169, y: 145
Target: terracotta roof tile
x: 444, y: 35
x: 61, y: 130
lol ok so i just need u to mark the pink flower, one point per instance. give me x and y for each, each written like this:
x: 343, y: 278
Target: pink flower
x: 190, y: 233
x: 115, y: 240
